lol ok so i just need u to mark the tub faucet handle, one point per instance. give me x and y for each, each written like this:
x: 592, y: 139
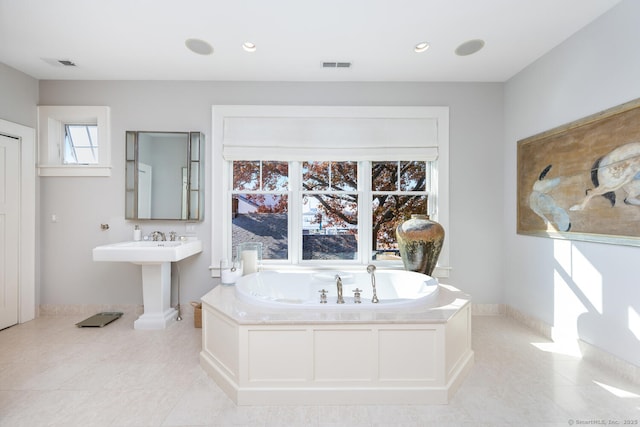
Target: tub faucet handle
x: 356, y: 295
x: 323, y: 296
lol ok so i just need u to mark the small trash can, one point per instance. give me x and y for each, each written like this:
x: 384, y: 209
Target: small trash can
x: 197, y: 314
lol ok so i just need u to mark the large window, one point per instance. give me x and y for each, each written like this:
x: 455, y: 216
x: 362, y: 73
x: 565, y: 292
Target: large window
x: 326, y: 186
x: 323, y: 208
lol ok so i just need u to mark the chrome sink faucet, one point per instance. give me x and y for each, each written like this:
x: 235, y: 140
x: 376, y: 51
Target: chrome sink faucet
x: 158, y: 235
x: 371, y: 269
x: 339, y: 286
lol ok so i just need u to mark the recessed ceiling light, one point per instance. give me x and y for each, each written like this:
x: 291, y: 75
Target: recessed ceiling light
x: 469, y: 47
x: 198, y: 46
x: 249, y: 47
x: 421, y: 47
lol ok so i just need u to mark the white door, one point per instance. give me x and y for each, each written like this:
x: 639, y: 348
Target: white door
x: 9, y: 229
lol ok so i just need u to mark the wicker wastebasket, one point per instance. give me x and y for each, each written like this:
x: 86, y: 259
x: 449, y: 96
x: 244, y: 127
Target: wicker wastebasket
x: 197, y: 314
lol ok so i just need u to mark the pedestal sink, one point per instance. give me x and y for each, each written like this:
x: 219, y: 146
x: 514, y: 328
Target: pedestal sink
x: 155, y: 259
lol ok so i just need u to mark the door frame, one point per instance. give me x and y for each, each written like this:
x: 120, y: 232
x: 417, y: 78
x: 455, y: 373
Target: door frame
x: 27, y: 233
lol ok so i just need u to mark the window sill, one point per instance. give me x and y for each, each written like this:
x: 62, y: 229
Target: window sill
x: 74, y: 170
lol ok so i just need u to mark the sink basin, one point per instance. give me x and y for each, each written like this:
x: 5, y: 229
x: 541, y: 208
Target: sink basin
x: 155, y: 259
x: 147, y: 251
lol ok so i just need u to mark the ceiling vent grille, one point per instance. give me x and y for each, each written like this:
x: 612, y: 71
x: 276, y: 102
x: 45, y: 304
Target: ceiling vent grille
x: 67, y: 63
x: 336, y: 65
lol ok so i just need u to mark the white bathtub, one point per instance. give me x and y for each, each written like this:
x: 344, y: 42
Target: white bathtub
x: 302, y: 290
x: 269, y: 340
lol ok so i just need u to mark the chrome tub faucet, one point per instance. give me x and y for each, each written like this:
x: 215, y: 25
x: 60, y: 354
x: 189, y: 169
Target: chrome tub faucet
x: 339, y: 286
x: 371, y: 269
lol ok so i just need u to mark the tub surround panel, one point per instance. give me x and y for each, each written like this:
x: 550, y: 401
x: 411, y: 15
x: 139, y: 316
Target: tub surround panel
x: 323, y: 356
x: 222, y: 335
x: 274, y: 362
x: 409, y: 355
x: 457, y: 339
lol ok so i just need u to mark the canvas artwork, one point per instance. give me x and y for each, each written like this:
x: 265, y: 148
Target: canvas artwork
x: 581, y: 181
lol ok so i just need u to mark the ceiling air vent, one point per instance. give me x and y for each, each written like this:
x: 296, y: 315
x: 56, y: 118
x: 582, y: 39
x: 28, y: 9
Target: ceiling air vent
x: 336, y: 65
x: 67, y: 63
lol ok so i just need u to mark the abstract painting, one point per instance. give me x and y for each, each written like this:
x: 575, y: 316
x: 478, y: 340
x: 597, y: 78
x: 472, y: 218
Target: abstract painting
x: 581, y: 181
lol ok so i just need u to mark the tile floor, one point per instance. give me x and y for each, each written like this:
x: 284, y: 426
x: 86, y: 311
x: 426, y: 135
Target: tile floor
x: 55, y: 374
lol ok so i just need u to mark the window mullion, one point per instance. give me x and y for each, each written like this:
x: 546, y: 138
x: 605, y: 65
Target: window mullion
x: 365, y: 225
x: 295, y: 213
x: 432, y: 190
x: 227, y: 215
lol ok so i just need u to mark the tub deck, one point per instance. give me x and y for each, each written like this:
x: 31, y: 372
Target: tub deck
x: 260, y: 355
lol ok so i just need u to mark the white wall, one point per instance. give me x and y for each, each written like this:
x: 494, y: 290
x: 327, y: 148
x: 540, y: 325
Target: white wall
x: 82, y: 204
x: 18, y: 97
x: 587, y: 290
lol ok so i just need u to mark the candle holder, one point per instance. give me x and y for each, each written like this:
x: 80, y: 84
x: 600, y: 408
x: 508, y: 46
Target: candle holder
x: 250, y: 255
x: 230, y: 271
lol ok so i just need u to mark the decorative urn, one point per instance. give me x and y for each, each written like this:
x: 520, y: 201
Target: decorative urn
x: 420, y: 242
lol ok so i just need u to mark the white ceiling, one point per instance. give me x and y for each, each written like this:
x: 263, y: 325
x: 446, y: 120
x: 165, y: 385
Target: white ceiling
x: 145, y: 39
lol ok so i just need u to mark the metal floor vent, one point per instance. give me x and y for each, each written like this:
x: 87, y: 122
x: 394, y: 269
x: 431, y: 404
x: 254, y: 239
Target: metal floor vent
x: 99, y: 320
x: 336, y: 65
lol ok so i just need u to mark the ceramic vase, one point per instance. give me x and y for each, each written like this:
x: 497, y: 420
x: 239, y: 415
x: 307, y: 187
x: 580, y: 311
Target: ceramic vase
x: 420, y: 242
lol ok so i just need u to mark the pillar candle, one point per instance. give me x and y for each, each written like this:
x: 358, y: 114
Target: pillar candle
x: 250, y: 261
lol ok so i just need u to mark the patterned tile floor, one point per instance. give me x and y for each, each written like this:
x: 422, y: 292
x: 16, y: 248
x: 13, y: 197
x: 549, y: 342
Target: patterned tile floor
x: 55, y: 374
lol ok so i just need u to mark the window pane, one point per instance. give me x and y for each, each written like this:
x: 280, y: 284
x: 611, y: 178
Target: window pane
x: 85, y: 155
x: 388, y: 212
x: 93, y: 134
x: 315, y: 176
x: 344, y: 176
x: 335, y: 176
x: 384, y: 176
x: 246, y: 175
x: 330, y: 224
x: 261, y: 218
x: 275, y: 176
x: 80, y: 144
x: 413, y: 176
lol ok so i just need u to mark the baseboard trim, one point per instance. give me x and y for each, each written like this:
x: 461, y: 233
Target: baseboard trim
x: 186, y: 311
x: 589, y: 352
x: 487, y: 309
x: 87, y: 309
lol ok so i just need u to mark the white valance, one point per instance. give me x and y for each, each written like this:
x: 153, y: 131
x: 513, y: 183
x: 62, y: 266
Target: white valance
x: 328, y: 133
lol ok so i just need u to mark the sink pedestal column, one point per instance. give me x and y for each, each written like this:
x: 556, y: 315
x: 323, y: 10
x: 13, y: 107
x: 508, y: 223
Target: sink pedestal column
x: 156, y: 294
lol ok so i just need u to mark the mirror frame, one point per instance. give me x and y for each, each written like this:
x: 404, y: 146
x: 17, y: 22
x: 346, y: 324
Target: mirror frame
x: 195, y: 176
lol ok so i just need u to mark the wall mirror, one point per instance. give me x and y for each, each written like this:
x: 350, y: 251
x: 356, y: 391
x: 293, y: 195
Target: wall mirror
x: 164, y: 175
